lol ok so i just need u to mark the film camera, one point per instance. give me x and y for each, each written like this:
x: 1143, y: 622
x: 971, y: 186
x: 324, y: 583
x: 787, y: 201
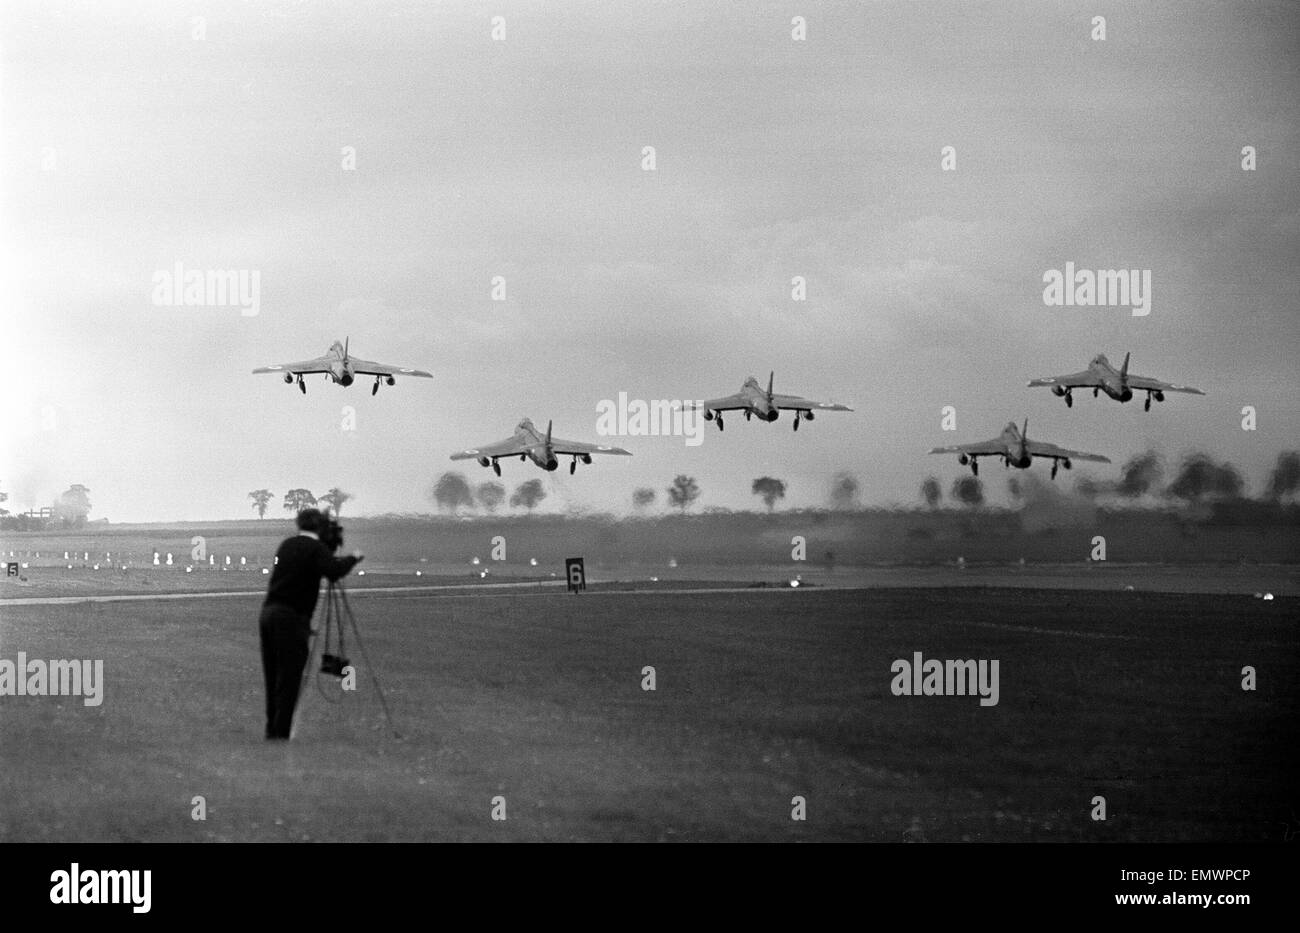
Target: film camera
x: 330, y: 532
x: 333, y: 664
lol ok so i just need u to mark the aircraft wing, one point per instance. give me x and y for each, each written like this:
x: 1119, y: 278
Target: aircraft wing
x: 319, y: 365
x: 367, y: 368
x: 1039, y: 449
x: 1072, y: 381
x: 1143, y: 382
x: 577, y: 447
x: 510, y: 447
x: 794, y: 402
x: 726, y: 403
x: 994, y: 446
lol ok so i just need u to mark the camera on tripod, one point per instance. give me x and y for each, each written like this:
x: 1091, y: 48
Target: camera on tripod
x: 333, y: 664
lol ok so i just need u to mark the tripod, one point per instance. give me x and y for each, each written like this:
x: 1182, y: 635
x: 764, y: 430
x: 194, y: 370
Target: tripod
x: 337, y: 610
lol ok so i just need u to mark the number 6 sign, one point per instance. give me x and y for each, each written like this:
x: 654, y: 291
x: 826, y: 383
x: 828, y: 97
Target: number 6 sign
x: 577, y: 574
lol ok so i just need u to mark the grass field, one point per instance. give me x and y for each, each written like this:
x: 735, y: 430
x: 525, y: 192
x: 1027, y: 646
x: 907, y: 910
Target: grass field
x: 761, y: 696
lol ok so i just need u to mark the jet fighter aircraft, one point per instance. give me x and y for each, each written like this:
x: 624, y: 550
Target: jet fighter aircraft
x: 752, y: 400
x: 530, y: 444
x: 1016, y: 450
x: 342, y: 368
x: 1100, y: 376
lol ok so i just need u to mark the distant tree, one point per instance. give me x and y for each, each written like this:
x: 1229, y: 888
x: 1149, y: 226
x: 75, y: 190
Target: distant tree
x: 1285, y: 479
x: 643, y: 498
x: 1141, y: 475
x: 931, y: 492
x: 1201, y: 478
x: 335, y: 499
x: 528, y: 494
x: 261, y: 499
x: 1088, y: 488
x: 844, y: 491
x: 490, y: 495
x: 452, y: 491
x: 770, y: 489
x: 683, y: 492
x: 73, y: 506
x: 295, y: 500
x: 968, y: 490
x: 4, y: 497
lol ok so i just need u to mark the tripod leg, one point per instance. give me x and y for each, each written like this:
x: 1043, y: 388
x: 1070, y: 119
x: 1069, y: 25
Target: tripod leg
x: 356, y: 632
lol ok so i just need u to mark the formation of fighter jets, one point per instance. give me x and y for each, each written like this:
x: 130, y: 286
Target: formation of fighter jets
x: 1015, y: 448
x: 341, y: 368
x: 752, y: 400
x: 1012, y: 446
x: 528, y: 443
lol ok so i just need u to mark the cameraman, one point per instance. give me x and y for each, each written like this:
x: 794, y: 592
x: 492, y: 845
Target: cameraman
x: 285, y: 622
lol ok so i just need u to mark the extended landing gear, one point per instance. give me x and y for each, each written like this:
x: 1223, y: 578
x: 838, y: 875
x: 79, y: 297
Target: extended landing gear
x: 302, y: 384
x: 974, y: 466
x: 375, y: 388
x: 1094, y: 392
x: 719, y: 417
x: 797, y: 417
x: 496, y: 468
x: 573, y: 466
x: 1055, y: 465
x: 1069, y: 399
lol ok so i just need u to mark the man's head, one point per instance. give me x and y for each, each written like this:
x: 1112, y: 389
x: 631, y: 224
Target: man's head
x: 310, y: 520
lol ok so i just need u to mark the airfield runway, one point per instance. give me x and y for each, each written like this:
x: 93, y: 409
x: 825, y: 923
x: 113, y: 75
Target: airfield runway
x: 529, y: 703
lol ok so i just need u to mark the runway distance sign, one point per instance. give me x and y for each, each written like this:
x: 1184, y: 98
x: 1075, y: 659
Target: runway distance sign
x: 576, y: 574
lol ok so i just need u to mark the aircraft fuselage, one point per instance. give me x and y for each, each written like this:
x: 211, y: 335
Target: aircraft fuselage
x: 1112, y: 383
x: 341, y: 372
x: 537, y: 449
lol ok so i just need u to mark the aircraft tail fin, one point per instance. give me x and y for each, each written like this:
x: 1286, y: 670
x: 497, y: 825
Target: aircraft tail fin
x: 771, y: 376
x: 346, y: 341
x: 1024, y: 432
x: 548, y: 432
x: 1123, y: 370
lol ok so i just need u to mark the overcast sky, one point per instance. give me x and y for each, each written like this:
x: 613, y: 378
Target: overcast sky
x: 130, y: 145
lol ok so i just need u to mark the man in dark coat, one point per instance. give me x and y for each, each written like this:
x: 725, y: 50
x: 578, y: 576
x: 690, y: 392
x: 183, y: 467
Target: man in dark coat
x: 285, y: 623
